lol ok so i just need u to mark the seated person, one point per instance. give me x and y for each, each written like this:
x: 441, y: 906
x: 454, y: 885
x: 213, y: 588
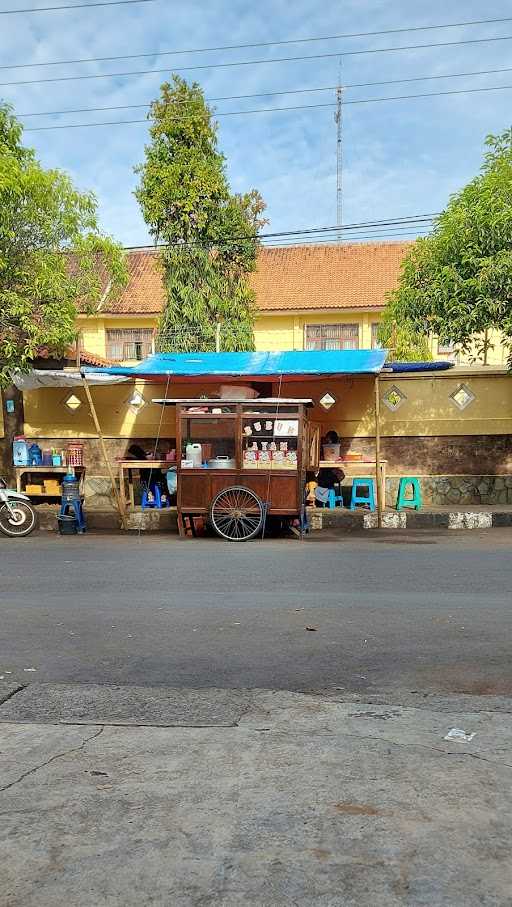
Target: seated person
x: 328, y: 476
x: 136, y: 452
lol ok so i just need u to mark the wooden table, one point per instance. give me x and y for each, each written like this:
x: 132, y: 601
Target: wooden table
x: 126, y: 469
x: 362, y: 468
x: 48, y: 470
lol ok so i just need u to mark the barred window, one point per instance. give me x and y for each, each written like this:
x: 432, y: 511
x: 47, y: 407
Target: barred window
x: 129, y: 343
x: 332, y: 337
x: 375, y: 336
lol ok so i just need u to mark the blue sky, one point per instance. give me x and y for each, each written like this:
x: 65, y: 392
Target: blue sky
x: 400, y: 158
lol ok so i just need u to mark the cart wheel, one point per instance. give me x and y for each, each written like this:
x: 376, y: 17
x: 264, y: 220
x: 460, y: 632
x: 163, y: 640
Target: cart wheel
x: 236, y: 514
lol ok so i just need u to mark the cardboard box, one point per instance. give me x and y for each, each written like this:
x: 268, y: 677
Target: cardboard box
x: 34, y: 489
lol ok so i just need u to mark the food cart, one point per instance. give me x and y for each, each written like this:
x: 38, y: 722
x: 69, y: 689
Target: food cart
x: 239, y: 462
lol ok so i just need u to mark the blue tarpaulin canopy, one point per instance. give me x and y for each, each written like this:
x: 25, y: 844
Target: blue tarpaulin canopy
x: 252, y: 365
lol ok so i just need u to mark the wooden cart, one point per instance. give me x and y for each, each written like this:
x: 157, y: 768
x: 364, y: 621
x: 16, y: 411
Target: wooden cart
x: 254, y: 455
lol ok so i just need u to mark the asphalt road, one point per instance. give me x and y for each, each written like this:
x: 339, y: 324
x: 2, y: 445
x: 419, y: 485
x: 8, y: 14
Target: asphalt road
x: 393, y: 612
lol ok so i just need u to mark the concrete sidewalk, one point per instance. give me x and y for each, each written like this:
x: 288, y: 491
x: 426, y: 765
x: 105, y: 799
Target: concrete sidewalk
x: 136, y: 796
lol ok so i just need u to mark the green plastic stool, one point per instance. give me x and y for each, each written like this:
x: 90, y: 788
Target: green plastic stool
x: 402, y: 501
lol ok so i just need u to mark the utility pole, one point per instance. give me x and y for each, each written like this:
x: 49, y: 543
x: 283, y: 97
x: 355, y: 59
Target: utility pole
x: 338, y: 119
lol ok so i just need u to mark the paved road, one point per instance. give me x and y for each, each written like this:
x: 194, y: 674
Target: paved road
x: 421, y: 612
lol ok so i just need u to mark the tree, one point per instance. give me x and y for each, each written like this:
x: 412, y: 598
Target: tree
x: 457, y: 282
x: 43, y: 219
x: 52, y: 257
x: 210, y: 234
x: 405, y: 344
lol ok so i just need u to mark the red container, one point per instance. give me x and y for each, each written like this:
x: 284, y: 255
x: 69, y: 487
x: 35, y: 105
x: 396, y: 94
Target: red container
x: 75, y: 454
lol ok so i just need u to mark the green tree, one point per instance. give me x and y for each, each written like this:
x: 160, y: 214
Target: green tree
x: 405, y: 344
x: 209, y: 233
x: 43, y: 219
x: 457, y: 282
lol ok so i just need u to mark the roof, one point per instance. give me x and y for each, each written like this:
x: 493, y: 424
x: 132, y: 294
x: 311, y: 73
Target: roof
x: 219, y: 402
x: 291, y: 364
x: 86, y: 357
x: 343, y: 276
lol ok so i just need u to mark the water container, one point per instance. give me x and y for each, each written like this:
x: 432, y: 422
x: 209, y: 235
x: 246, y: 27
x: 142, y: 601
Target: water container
x: 70, y: 489
x: 195, y: 453
x: 35, y: 455
x: 20, y: 452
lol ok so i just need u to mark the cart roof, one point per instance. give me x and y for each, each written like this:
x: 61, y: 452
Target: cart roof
x: 227, y: 401
x: 291, y: 365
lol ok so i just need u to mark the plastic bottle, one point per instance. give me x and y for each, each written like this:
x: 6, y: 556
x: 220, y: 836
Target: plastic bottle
x: 35, y: 455
x: 20, y: 452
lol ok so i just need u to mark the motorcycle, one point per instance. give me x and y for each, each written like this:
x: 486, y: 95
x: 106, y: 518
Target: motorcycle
x: 17, y: 516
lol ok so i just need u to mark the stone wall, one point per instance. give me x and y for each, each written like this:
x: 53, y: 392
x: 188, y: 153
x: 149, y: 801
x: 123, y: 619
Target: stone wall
x: 465, y: 455
x: 454, y: 490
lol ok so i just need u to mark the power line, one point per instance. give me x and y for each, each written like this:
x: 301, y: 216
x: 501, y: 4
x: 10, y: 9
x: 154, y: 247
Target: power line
x: 347, y: 53
x: 204, y: 50
x: 237, y: 113
x: 412, y: 220
x: 51, y: 9
x: 272, y: 94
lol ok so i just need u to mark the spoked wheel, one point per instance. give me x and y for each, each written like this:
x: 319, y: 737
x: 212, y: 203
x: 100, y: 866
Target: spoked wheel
x: 236, y: 514
x: 17, y: 518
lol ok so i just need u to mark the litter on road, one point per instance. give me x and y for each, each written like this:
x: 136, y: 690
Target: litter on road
x: 457, y: 733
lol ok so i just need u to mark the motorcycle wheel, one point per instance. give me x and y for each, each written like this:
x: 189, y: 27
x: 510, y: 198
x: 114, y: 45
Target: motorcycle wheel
x: 17, y: 519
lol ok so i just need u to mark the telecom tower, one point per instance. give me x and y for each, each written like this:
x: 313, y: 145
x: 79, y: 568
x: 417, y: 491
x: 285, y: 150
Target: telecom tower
x: 338, y: 118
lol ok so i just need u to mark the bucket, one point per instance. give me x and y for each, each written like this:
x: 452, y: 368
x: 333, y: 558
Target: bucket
x: 67, y: 524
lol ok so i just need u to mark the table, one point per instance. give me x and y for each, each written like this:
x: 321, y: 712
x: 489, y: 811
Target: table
x: 48, y: 470
x: 126, y: 468
x: 354, y: 468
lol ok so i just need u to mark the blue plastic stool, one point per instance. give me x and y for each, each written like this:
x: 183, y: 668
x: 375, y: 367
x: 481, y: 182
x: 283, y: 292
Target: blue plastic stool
x: 334, y: 500
x: 157, y: 497
x: 76, y: 507
x: 402, y: 501
x: 361, y: 498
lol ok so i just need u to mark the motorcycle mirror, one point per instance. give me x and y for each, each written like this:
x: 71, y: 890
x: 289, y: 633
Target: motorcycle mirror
x: 3, y: 483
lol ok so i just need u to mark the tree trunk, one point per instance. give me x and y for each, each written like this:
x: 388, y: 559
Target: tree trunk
x: 14, y: 424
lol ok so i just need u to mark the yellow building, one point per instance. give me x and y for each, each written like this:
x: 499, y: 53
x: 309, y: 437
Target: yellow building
x: 308, y: 297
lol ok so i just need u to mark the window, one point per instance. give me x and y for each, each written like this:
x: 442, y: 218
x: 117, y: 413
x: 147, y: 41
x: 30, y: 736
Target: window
x: 393, y: 398
x: 445, y: 347
x: 462, y: 396
x: 375, y: 336
x: 332, y: 337
x: 129, y: 343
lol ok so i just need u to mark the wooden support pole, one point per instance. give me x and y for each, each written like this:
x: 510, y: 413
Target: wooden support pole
x: 120, y: 505
x: 381, y: 493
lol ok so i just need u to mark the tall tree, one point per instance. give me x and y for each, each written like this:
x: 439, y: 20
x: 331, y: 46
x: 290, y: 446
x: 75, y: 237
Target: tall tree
x: 209, y: 233
x: 457, y: 282
x: 43, y: 218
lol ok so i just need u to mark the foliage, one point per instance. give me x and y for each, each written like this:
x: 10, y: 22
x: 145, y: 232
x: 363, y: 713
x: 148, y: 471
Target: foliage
x: 209, y: 233
x: 404, y: 343
x: 457, y: 282
x: 43, y: 219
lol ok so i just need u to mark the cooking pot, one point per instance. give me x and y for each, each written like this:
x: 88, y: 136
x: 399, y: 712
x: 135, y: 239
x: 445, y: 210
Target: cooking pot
x: 222, y: 463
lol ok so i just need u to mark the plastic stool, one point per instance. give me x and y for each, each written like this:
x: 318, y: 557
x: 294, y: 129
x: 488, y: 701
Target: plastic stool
x: 361, y: 498
x: 402, y: 501
x: 76, y: 507
x: 157, y: 497
x: 334, y: 500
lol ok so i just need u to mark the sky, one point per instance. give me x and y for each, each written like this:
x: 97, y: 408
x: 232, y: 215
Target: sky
x: 400, y: 158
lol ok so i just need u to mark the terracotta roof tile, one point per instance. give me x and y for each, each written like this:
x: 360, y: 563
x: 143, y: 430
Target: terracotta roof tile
x: 354, y: 275
x: 327, y: 277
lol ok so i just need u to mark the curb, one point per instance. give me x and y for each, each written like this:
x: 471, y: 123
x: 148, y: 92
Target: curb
x: 459, y: 519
